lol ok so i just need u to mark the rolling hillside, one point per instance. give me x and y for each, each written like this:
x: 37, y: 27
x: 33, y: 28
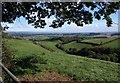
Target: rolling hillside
x: 113, y: 44
x: 98, y: 40
x: 80, y: 68
x: 76, y: 45
x: 50, y: 45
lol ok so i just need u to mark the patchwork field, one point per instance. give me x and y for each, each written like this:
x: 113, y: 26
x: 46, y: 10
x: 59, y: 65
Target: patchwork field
x: 98, y: 40
x: 113, y: 44
x: 76, y: 45
x: 50, y: 45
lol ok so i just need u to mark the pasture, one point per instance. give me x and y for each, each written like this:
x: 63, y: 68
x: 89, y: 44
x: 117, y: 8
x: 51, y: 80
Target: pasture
x: 50, y: 44
x: 76, y: 45
x: 113, y: 44
x: 98, y: 40
x: 80, y: 68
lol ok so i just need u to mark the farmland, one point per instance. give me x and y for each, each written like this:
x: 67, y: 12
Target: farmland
x: 99, y: 40
x: 35, y: 57
x: 74, y: 44
x: 50, y: 45
x: 114, y: 44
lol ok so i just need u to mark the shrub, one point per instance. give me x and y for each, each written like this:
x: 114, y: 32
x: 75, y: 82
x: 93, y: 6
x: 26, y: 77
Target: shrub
x: 43, y: 53
x: 28, y: 60
x: 28, y: 64
x: 91, y: 52
x: 98, y: 52
x: 7, y: 56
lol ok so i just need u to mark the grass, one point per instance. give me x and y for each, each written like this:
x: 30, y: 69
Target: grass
x: 76, y: 45
x: 98, y: 40
x: 113, y: 44
x: 80, y: 68
x: 24, y: 47
x: 51, y: 45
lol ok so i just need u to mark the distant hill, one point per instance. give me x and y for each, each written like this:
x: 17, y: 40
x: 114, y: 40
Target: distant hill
x: 20, y: 33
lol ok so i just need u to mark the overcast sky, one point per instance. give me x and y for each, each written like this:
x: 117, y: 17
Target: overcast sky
x: 21, y: 24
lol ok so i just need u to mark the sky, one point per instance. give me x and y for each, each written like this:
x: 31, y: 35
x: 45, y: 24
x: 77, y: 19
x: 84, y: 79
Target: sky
x: 20, y: 24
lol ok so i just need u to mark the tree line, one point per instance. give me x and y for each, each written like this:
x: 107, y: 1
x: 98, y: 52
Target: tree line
x: 97, y: 52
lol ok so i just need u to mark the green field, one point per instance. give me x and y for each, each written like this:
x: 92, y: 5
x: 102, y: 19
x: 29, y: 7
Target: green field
x: 80, y: 68
x: 113, y: 44
x: 98, y: 40
x: 76, y: 45
x: 51, y: 45
x: 37, y: 37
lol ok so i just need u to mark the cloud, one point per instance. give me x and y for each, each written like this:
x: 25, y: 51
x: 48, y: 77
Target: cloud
x: 97, y: 26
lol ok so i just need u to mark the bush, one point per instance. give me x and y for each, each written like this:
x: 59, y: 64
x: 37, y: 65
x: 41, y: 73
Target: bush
x: 28, y: 64
x: 7, y: 56
x: 91, y: 53
x: 98, y: 52
x: 27, y: 60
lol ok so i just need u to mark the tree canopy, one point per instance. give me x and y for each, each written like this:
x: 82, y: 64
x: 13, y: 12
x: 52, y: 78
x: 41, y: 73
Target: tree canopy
x: 78, y: 13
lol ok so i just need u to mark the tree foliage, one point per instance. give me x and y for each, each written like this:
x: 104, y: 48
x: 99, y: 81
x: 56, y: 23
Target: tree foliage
x: 103, y: 53
x: 78, y: 13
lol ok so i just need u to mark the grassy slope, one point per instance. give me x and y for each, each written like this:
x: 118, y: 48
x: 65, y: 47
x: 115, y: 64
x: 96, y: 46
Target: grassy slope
x: 24, y: 47
x: 98, y: 40
x: 51, y: 45
x: 113, y: 44
x: 74, y: 44
x: 79, y: 67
